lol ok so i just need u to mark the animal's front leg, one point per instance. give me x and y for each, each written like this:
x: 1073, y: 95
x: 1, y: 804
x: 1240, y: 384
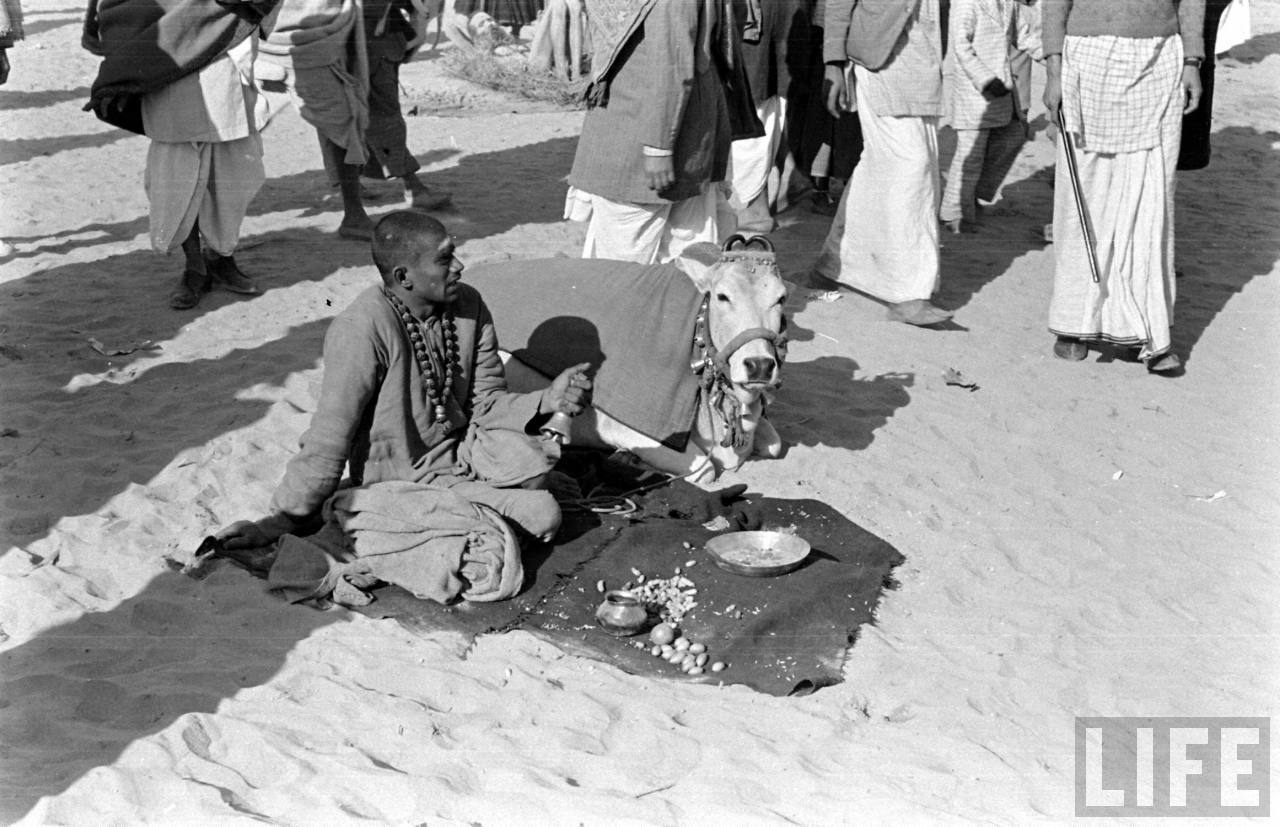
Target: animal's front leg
x: 768, y: 442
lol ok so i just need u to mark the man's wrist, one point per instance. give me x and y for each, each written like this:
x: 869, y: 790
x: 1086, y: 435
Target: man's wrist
x: 1197, y: 62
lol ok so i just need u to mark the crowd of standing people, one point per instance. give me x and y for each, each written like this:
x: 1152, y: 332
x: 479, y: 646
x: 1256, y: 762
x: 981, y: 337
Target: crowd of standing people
x: 702, y: 116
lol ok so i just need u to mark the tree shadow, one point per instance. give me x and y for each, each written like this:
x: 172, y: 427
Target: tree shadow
x: 1216, y: 265
x: 828, y: 384
x: 17, y: 150
x: 40, y: 98
x: 75, y: 696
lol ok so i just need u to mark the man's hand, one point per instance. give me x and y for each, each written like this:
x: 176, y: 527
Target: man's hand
x: 4, y: 66
x: 1191, y: 89
x: 1053, y: 87
x: 834, y: 90
x: 249, y: 534
x: 570, y: 393
x: 660, y: 170
x: 995, y: 88
x: 108, y: 103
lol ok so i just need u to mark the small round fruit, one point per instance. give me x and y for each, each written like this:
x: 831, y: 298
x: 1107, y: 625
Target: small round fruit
x: 662, y: 634
x: 682, y: 644
x: 697, y: 648
x: 718, y: 666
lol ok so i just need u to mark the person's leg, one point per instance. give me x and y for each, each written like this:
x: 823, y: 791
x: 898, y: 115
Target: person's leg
x: 356, y: 223
x: 751, y: 161
x: 693, y: 221
x: 534, y: 512
x: 1003, y: 145
x: 557, y: 21
x: 958, y: 209
x: 387, y: 135
x: 235, y: 176
x: 625, y: 231
x: 176, y: 175
x: 576, y: 22
x: 889, y: 246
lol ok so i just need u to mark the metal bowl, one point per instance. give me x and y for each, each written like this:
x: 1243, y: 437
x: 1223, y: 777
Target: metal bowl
x: 758, y: 553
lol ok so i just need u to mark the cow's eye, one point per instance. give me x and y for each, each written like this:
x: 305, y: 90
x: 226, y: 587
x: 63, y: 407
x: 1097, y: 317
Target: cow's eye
x: 721, y: 297
x: 782, y: 300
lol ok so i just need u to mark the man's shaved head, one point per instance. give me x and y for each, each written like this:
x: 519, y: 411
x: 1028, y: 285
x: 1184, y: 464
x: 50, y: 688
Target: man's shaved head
x: 401, y: 237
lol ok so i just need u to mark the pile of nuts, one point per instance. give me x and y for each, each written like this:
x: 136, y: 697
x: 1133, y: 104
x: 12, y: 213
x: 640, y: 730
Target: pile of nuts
x: 671, y: 597
x: 671, y: 646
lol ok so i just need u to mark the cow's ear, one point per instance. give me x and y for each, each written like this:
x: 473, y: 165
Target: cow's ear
x: 699, y: 262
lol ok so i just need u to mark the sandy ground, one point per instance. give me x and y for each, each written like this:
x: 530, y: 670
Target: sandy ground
x: 1066, y: 554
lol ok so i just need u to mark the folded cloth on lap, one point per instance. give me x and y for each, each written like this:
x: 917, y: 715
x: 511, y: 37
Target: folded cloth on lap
x: 429, y: 541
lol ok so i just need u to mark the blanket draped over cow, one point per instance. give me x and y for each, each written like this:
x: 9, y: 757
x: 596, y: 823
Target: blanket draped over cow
x: 633, y: 322
x: 147, y: 46
x: 316, y: 52
x: 431, y: 542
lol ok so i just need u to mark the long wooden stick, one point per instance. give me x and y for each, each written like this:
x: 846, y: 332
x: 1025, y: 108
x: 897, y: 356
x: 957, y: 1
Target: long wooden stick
x: 1074, y: 174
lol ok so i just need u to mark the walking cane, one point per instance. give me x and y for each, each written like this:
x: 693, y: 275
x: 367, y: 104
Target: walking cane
x: 1074, y: 174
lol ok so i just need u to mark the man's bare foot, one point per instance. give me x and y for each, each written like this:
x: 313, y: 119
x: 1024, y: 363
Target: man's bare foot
x: 357, y: 228
x: 421, y: 197
x: 959, y: 225
x: 919, y: 312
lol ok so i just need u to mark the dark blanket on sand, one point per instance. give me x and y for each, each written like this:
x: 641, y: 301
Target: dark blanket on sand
x: 633, y: 322
x: 782, y: 635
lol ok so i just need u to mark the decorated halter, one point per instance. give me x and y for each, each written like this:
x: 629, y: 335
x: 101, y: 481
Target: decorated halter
x: 712, y: 363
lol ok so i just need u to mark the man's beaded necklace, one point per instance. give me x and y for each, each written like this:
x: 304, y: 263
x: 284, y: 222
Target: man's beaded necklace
x: 438, y: 388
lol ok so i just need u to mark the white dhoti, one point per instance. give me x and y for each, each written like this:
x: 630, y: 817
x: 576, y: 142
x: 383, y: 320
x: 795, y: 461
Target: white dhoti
x: 754, y: 167
x: 884, y: 239
x: 1128, y: 196
x: 650, y: 233
x: 209, y: 181
x: 205, y: 159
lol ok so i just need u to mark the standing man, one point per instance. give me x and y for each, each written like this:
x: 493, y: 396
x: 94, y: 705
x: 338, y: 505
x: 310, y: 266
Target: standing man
x: 181, y: 73
x: 388, y: 34
x: 772, y: 44
x: 884, y: 240
x: 1120, y: 78
x: 654, y: 149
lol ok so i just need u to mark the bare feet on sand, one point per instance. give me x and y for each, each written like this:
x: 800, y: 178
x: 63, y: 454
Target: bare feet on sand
x: 356, y: 228
x: 421, y: 197
x: 919, y: 312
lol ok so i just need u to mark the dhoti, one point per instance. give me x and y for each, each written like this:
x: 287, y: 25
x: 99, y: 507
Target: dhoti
x: 884, y: 239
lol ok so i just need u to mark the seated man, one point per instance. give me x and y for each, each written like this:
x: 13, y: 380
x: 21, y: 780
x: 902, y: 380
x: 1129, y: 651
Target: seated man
x: 414, y: 392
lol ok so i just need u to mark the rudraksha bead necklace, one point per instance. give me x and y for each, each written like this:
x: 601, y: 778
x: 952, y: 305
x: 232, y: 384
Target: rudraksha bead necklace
x: 438, y: 388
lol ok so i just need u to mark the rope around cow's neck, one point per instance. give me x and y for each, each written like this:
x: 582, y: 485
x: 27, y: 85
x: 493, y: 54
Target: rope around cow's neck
x: 712, y: 364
